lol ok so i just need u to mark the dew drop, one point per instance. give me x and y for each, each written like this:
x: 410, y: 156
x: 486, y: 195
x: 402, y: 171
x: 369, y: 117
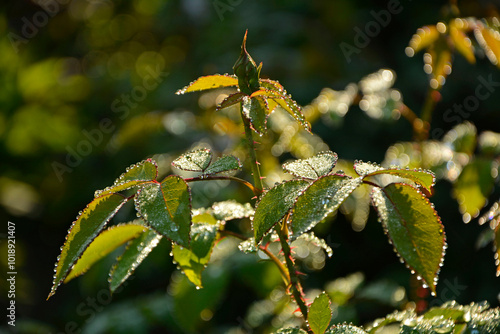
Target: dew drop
x: 174, y: 227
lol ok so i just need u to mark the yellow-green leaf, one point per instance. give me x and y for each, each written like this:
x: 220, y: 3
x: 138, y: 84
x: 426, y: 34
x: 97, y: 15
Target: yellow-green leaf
x: 473, y: 186
x: 414, y: 229
x: 320, y: 314
x: 84, y: 229
x: 438, y: 62
x: 423, y: 178
x: 103, y: 244
x: 462, y: 43
x: 210, y: 82
x: 423, y: 38
x: 135, y: 175
x: 193, y: 260
x: 489, y: 40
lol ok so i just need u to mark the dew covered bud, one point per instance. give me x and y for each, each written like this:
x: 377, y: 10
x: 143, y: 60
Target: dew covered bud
x: 247, y: 71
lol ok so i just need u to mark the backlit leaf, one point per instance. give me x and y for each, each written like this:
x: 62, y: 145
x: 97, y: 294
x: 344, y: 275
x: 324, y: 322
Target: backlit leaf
x: 320, y: 314
x: 230, y: 209
x: 135, y: 175
x: 462, y: 138
x: 209, y: 82
x: 84, y: 229
x: 423, y: 38
x: 103, y: 244
x: 313, y: 167
x: 438, y: 63
x: 137, y: 250
x: 414, y: 229
x: 195, y: 161
x: 223, y: 164
x: 276, y: 95
x: 364, y: 168
x: 320, y: 199
x: 255, y: 110
x: 193, y: 261
x: 489, y: 40
x: 473, y: 186
x: 231, y: 100
x: 294, y: 110
x: 462, y: 43
x: 272, y: 85
x: 166, y: 207
x: 274, y: 205
x: 423, y: 178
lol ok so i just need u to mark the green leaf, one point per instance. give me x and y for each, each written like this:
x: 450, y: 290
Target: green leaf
x: 223, y: 164
x: 320, y: 199
x: 345, y: 329
x: 273, y: 86
x: 229, y: 210
x: 473, y: 186
x: 231, y: 100
x: 364, y: 168
x: 195, y: 161
x: 103, y: 244
x: 137, y: 250
x: 320, y: 314
x: 293, y: 109
x: 462, y: 138
x: 274, y: 205
x: 84, y: 229
x: 414, y: 229
x: 423, y: 178
x: 193, y: 261
x: 313, y: 167
x: 454, y: 313
x: 255, y: 110
x: 166, y: 207
x: 143, y: 172
x: 209, y: 82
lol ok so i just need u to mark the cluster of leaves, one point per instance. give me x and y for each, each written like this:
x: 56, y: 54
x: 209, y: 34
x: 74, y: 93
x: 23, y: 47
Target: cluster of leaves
x: 164, y: 210
x: 442, y: 39
x: 285, y: 212
x: 408, y: 218
x: 470, y: 162
x: 447, y: 318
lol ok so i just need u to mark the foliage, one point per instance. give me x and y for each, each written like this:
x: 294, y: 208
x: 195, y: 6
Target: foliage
x: 289, y: 210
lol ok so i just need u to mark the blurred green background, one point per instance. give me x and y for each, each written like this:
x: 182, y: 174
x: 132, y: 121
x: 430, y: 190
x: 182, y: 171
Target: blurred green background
x: 88, y: 88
